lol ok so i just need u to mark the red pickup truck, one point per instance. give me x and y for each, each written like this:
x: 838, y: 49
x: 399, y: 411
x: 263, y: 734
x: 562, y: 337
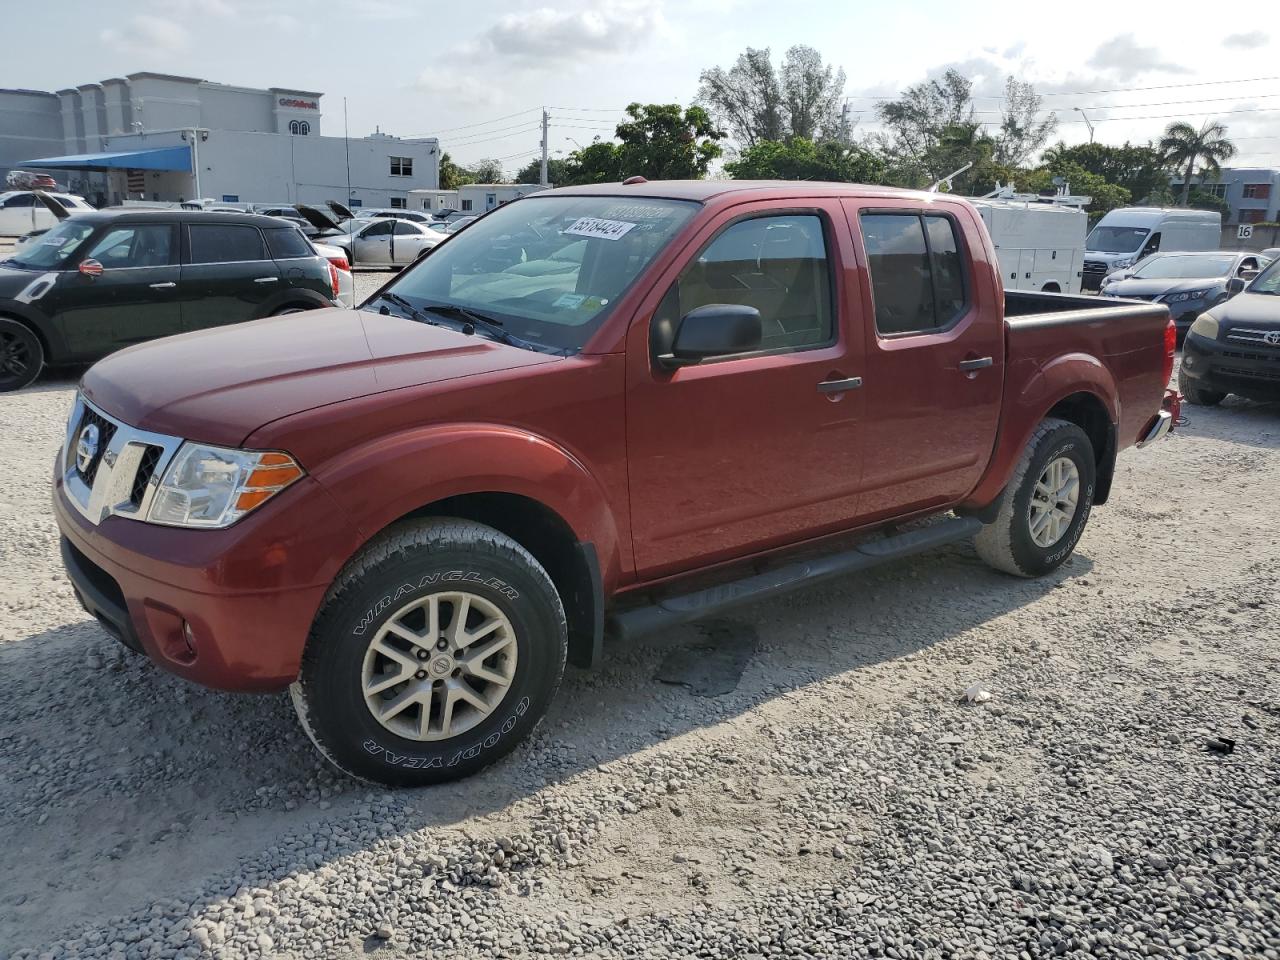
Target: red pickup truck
x: 609, y: 408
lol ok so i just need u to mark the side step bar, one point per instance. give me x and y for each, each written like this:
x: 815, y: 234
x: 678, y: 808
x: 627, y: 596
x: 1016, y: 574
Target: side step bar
x: 672, y: 611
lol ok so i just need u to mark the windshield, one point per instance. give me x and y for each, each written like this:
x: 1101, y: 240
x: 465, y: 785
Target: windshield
x: 1183, y: 268
x: 549, y: 268
x: 52, y: 248
x: 1268, y: 281
x: 1116, y: 239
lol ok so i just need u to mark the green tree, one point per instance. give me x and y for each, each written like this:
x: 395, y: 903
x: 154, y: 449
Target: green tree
x: 1023, y: 130
x: 1104, y: 196
x: 452, y: 176
x: 487, y: 170
x: 600, y: 162
x: 801, y: 159
x: 1186, y: 148
x: 531, y: 172
x: 759, y: 103
x: 917, y: 120
x: 1139, y: 168
x: 1204, y: 200
x: 663, y: 142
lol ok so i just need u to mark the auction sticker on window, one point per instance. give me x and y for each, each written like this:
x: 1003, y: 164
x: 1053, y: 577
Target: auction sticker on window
x: 603, y: 229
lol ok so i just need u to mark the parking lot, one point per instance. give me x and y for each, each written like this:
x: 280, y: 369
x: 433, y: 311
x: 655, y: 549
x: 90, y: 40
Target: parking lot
x: 803, y: 778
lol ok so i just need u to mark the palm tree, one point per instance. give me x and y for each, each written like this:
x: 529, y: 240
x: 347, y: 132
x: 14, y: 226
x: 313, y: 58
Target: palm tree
x: 1183, y: 146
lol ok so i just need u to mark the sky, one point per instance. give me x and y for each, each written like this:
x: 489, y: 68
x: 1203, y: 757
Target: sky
x: 478, y: 77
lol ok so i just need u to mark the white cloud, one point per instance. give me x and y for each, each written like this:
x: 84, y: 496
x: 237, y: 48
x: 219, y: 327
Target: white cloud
x: 1246, y: 41
x: 1124, y: 58
x: 554, y: 38
x: 456, y: 89
x: 147, y: 35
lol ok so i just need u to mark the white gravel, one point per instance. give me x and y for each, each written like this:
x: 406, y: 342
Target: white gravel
x: 842, y: 801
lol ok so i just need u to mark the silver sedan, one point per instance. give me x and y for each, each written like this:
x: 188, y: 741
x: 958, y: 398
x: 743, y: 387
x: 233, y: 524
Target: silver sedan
x: 386, y: 242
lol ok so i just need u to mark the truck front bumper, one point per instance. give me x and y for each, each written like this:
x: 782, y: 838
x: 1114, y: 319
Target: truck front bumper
x: 229, y: 609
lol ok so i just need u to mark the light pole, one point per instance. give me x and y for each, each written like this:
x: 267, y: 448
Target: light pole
x: 1086, y: 121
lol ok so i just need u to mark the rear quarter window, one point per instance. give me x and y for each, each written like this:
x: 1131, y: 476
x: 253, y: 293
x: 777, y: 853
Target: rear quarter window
x: 287, y: 243
x: 225, y: 243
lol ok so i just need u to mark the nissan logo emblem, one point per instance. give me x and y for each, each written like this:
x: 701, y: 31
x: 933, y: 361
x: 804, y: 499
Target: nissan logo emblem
x: 86, y: 447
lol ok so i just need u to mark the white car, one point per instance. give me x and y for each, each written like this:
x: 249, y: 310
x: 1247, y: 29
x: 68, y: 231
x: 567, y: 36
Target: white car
x: 399, y: 213
x: 346, y: 282
x: 386, y: 242
x: 21, y: 211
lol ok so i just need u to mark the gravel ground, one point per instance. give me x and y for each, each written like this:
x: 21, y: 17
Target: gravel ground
x: 841, y: 801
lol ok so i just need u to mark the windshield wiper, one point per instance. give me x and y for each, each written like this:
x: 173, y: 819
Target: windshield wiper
x: 408, y: 307
x: 491, y: 325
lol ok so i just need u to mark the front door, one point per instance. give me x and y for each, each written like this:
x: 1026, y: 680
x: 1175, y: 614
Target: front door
x: 935, y: 358
x: 135, y: 298
x: 372, y: 246
x: 228, y: 276
x: 744, y: 452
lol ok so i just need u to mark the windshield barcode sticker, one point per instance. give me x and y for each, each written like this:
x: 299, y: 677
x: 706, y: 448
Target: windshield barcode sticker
x: 604, y: 229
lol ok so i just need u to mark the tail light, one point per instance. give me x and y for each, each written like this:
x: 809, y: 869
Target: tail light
x: 1170, y: 345
x: 336, y: 264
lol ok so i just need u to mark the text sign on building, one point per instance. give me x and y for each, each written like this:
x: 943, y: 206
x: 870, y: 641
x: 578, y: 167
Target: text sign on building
x: 1244, y: 231
x: 299, y: 104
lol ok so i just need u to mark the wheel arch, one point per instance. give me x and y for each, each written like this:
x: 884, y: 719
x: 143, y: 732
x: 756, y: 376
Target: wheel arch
x: 54, y: 348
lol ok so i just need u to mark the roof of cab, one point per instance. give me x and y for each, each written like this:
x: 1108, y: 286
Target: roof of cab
x: 702, y: 191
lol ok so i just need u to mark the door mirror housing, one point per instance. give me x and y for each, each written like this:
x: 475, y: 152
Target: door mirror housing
x: 714, y: 330
x: 90, y: 268
x: 1236, y: 285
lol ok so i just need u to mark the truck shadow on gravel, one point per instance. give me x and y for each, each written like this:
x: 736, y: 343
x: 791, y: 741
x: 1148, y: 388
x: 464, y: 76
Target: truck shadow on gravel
x: 122, y: 783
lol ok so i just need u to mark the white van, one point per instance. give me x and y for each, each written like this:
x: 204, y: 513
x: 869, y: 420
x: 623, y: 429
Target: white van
x: 1040, y: 245
x: 1125, y: 236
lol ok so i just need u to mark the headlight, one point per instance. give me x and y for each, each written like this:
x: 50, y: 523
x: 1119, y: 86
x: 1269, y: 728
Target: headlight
x: 1187, y: 295
x: 1205, y: 326
x: 215, y: 487
x: 1122, y: 263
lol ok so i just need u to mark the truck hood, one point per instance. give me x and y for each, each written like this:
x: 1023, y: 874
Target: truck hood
x: 219, y: 385
x: 1250, y: 310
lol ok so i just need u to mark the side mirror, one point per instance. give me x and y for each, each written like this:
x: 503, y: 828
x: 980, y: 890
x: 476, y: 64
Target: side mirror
x: 1235, y: 285
x: 90, y: 268
x: 714, y: 330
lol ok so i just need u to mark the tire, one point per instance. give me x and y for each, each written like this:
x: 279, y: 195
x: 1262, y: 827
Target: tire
x: 1009, y: 542
x: 407, y: 566
x: 1198, y: 396
x: 21, y: 355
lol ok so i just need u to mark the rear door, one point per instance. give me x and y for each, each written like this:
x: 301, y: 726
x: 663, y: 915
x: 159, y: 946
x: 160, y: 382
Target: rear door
x: 744, y: 452
x: 301, y: 268
x: 135, y: 298
x: 935, y: 356
x: 407, y: 241
x: 227, y: 276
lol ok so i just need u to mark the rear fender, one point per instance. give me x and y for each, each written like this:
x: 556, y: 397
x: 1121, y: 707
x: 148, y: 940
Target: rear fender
x: 391, y: 477
x: 1069, y: 374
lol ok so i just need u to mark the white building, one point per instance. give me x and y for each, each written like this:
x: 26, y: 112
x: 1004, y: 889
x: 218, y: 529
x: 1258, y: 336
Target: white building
x: 480, y: 198
x: 154, y: 136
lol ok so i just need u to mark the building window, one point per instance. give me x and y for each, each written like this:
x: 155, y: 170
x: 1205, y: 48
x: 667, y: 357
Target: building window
x: 1252, y: 216
x: 1257, y: 191
x: 398, y: 203
x: 293, y: 127
x: 355, y: 203
x: 231, y: 198
x: 402, y: 166
x: 466, y: 206
x: 304, y: 128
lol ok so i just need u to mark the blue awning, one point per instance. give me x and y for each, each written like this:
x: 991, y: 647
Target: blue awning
x: 160, y: 158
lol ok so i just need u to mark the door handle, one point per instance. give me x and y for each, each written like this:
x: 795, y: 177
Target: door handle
x: 839, y: 386
x: 163, y: 286
x: 266, y: 280
x: 978, y: 364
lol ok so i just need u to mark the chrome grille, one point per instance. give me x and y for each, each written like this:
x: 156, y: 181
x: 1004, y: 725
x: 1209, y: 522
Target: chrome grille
x: 121, y: 479
x: 1257, y: 337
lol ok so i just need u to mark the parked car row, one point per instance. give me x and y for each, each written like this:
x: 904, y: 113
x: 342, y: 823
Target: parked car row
x: 1188, y: 283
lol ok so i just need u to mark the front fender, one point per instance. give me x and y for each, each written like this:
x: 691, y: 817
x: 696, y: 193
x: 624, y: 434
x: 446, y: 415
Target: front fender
x: 1062, y: 377
x: 379, y: 482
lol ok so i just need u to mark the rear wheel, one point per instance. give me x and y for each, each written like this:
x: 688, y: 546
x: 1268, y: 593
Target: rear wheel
x: 438, y: 650
x: 21, y: 355
x: 1198, y: 395
x: 1046, y: 504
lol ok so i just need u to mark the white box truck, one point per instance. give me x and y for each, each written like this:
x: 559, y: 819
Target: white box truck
x: 1040, y: 243
x: 1126, y: 235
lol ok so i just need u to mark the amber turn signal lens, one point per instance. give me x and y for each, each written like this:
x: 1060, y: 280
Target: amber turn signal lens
x: 252, y: 498
x: 280, y: 476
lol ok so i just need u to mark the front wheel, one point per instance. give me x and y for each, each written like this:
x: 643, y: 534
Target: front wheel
x: 438, y: 649
x: 21, y: 355
x: 1046, y: 505
x: 1198, y: 396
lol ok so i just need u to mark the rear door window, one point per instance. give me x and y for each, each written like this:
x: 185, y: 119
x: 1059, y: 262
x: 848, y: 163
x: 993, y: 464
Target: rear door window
x: 225, y: 243
x: 287, y: 244
x: 917, y: 271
